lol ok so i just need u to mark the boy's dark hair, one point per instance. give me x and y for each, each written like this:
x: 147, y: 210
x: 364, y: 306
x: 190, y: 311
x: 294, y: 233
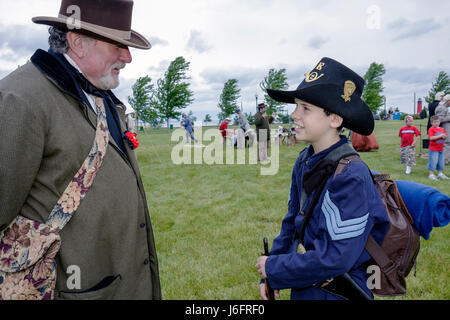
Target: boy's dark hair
x: 434, y: 118
x: 328, y: 113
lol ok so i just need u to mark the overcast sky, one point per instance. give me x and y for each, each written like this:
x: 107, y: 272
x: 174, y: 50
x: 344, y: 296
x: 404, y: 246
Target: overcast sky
x: 243, y: 39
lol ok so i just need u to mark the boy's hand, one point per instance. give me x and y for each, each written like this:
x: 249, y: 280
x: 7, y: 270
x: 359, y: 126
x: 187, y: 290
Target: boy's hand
x: 261, y: 266
x: 264, y: 294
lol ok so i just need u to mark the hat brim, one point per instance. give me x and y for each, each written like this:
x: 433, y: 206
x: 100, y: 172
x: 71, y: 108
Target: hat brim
x: 356, y: 113
x: 135, y: 40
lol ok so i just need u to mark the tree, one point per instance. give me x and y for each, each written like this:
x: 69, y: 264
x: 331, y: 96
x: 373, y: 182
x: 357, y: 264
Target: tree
x: 424, y: 113
x: 442, y: 83
x: 172, y: 93
x: 228, y: 99
x: 276, y: 80
x: 141, y: 100
x: 207, y: 118
x: 374, y: 86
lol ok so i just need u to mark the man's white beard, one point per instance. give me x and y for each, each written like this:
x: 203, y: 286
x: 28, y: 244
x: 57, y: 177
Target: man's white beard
x: 108, y: 82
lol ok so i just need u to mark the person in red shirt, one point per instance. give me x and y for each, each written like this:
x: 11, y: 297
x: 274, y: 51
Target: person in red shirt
x: 409, y: 135
x: 437, y: 136
x: 223, y: 130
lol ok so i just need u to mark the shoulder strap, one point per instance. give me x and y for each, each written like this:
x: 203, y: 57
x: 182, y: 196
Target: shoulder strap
x: 343, y: 155
x: 75, y: 192
x: 303, y: 194
x: 310, y: 210
x: 379, y: 255
x: 344, y: 162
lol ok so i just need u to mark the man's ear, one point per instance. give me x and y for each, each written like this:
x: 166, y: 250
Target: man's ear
x: 75, y: 42
x: 336, y: 121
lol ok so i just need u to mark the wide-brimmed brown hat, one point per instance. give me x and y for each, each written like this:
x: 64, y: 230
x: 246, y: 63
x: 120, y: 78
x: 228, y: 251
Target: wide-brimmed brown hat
x: 108, y: 20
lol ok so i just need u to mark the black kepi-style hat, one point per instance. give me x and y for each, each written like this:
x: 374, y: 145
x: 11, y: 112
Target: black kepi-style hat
x: 335, y: 88
x: 109, y: 20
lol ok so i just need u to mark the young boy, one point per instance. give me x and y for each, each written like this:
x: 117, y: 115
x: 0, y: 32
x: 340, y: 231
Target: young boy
x: 437, y: 136
x: 409, y: 135
x: 349, y: 207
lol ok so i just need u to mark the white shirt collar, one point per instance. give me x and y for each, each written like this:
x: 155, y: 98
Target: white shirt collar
x: 90, y: 97
x: 73, y: 63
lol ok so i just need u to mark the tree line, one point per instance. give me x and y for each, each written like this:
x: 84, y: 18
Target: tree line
x: 165, y: 100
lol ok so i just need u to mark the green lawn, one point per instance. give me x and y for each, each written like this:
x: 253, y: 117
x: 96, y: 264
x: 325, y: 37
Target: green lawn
x: 209, y: 220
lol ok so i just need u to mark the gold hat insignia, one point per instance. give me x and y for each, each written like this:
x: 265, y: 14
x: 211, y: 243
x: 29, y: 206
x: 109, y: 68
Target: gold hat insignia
x: 313, y: 76
x: 349, y: 89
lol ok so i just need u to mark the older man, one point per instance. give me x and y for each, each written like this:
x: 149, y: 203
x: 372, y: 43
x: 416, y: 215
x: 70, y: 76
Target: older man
x: 48, y: 123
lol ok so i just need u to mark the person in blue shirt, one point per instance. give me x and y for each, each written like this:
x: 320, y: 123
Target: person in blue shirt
x: 348, y: 208
x: 187, y: 125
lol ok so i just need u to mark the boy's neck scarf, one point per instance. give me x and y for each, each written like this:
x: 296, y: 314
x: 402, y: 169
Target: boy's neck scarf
x: 313, y: 178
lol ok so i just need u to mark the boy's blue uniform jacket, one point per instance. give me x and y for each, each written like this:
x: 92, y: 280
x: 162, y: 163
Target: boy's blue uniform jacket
x: 348, y: 210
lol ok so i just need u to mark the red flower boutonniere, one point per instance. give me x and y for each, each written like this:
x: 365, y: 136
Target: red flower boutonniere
x: 131, y: 138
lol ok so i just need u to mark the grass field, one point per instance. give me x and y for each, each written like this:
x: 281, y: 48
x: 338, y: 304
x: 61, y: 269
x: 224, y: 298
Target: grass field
x: 209, y: 220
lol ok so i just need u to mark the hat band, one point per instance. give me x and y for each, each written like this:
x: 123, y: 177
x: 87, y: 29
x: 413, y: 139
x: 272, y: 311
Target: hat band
x: 73, y: 24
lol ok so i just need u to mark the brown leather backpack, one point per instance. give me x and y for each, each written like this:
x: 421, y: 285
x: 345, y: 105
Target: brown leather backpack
x: 398, y: 252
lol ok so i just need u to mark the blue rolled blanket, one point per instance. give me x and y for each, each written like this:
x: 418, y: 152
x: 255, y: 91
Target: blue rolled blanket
x: 428, y: 206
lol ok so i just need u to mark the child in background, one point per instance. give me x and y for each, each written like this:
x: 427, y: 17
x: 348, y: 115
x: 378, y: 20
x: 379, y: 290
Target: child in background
x: 409, y: 135
x: 437, y: 136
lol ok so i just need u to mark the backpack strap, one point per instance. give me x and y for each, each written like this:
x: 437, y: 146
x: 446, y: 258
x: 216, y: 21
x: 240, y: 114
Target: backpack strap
x: 75, y: 192
x: 346, y: 160
x: 379, y: 255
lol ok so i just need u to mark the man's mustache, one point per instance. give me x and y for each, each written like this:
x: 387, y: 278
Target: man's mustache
x: 118, y: 65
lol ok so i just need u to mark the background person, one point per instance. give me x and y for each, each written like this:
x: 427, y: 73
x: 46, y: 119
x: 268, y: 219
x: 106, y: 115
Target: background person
x: 223, y: 130
x: 262, y: 132
x: 245, y: 131
x: 187, y: 125
x: 432, y: 107
x: 442, y: 110
x: 409, y: 135
x: 437, y: 136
